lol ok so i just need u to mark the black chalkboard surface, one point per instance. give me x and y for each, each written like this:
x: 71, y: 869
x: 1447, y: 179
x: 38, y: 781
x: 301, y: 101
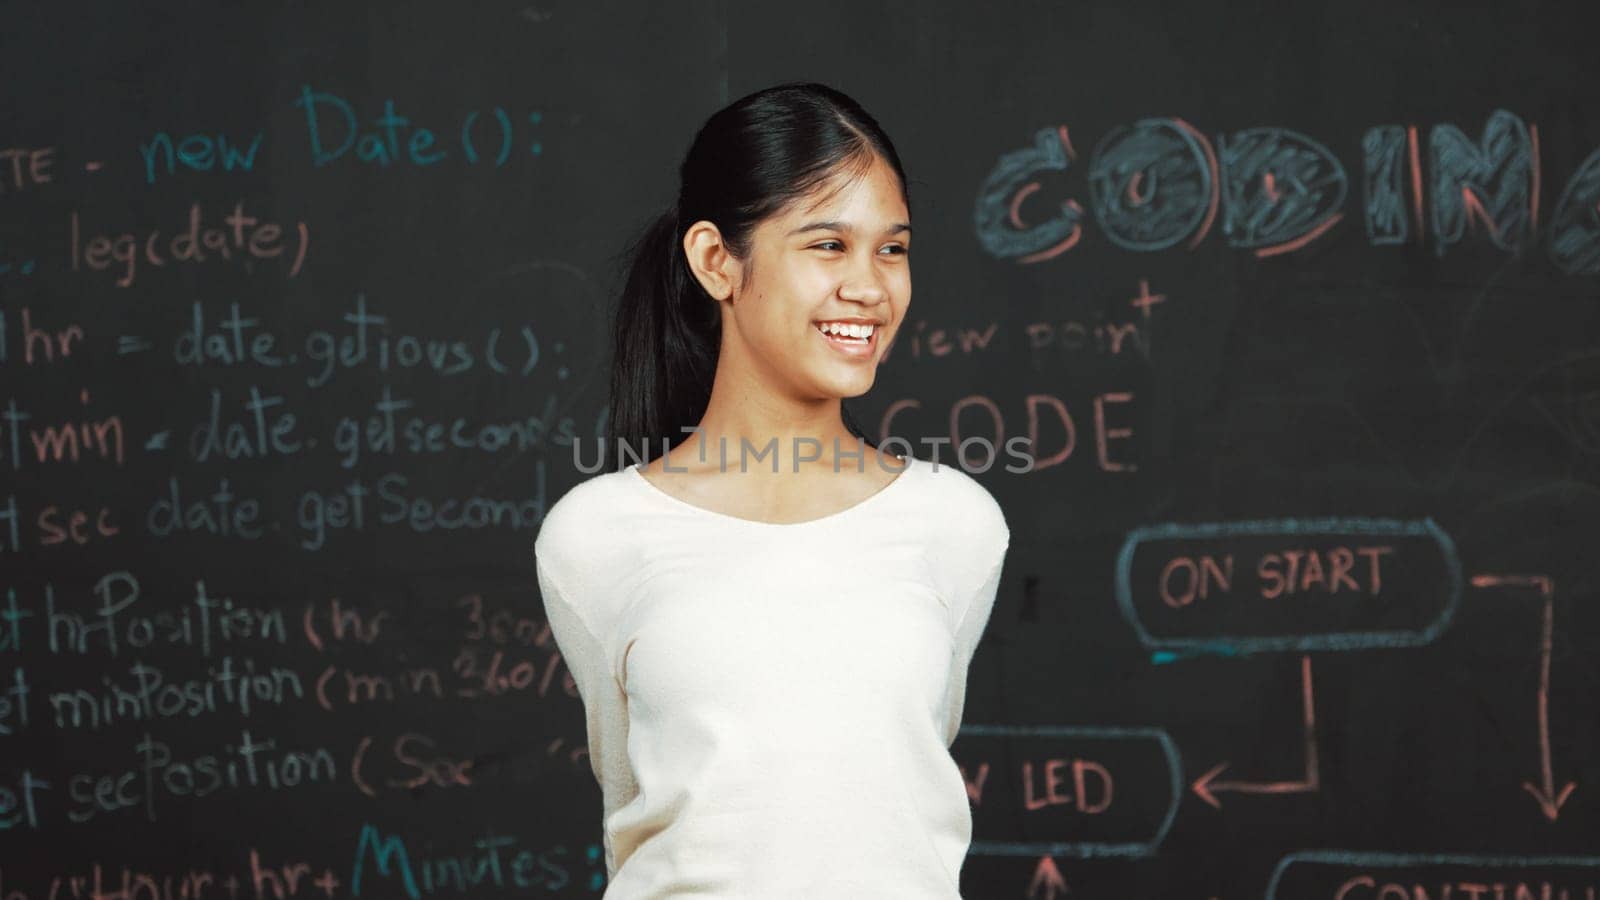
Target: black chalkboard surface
x: 302, y: 309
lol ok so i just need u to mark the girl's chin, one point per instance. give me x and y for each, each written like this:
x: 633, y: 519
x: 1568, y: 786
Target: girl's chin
x: 844, y: 385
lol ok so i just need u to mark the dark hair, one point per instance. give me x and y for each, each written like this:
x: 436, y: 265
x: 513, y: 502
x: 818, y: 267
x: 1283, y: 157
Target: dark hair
x: 749, y: 161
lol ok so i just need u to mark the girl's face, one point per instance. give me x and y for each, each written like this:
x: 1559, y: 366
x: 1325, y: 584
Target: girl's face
x: 840, y: 257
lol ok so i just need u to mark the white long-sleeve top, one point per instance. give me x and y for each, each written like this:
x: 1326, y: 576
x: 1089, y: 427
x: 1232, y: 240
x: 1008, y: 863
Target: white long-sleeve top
x: 770, y: 707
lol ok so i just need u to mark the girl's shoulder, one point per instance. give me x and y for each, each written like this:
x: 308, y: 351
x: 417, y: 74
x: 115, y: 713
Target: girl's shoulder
x: 960, y: 495
x: 580, y: 528
x: 949, y: 507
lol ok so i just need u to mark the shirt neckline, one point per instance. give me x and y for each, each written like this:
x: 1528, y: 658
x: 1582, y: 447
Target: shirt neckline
x: 637, y: 470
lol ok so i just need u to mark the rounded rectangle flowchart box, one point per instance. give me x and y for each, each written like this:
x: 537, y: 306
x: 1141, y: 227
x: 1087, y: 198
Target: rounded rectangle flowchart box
x: 1288, y: 584
x: 1078, y: 791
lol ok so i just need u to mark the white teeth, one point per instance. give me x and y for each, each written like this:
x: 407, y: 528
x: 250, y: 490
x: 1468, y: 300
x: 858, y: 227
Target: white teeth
x: 846, y: 329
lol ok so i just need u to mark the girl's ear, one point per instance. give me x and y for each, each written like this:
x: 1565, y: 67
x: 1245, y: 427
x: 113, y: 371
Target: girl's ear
x: 713, y: 266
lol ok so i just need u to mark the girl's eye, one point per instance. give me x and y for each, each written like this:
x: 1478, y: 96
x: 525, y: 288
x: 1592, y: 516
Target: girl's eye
x: 832, y: 245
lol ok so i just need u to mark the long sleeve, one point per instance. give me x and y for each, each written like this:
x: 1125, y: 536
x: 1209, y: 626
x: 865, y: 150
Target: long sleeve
x: 974, y: 619
x: 604, y: 703
x: 731, y: 760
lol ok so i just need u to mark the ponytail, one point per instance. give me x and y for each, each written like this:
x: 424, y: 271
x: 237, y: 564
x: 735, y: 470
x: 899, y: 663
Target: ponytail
x: 668, y: 331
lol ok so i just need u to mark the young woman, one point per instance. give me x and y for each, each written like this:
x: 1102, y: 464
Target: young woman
x: 770, y: 626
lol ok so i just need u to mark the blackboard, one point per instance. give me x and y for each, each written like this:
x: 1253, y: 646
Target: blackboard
x: 302, y: 308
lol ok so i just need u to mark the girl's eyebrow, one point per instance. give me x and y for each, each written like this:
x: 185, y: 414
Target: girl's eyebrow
x: 834, y: 225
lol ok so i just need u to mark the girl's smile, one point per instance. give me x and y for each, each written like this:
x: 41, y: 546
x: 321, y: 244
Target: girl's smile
x: 856, y: 338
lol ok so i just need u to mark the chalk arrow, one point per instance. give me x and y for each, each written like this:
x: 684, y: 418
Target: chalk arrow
x: 1206, y: 787
x: 1046, y: 878
x: 1549, y: 797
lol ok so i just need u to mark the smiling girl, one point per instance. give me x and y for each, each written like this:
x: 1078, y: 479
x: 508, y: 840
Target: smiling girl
x: 770, y: 625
